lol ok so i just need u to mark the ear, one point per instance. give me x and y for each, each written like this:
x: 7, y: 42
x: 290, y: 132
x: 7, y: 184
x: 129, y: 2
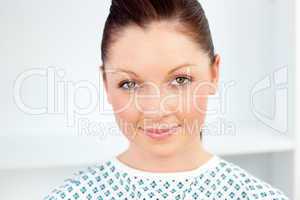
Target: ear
x: 215, y: 73
x: 104, y: 80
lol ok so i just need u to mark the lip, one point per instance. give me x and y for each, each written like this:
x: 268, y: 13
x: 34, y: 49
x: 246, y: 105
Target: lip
x: 160, y: 133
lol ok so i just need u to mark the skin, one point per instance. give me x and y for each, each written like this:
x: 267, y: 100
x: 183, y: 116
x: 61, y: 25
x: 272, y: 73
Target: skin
x: 151, y: 54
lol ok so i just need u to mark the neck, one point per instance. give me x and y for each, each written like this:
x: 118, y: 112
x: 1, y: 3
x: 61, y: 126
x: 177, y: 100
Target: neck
x: 189, y: 158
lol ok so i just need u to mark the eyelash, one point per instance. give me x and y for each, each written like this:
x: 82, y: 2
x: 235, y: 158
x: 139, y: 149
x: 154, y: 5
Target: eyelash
x: 188, y: 78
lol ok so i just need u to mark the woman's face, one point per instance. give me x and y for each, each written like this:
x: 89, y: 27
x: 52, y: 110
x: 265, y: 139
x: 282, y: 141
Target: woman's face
x: 159, y: 78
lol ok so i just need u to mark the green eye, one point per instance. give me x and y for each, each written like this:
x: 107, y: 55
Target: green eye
x: 132, y: 85
x: 127, y: 85
x: 180, y: 80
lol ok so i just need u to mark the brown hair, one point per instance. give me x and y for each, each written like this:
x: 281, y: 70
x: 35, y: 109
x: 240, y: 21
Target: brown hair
x: 189, y: 14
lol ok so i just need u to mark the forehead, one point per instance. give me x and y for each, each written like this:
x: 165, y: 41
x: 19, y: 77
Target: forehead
x: 156, y: 49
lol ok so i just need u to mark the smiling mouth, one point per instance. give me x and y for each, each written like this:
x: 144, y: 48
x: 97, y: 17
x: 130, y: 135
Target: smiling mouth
x: 161, y: 133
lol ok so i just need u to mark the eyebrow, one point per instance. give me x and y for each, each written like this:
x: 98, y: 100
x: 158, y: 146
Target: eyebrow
x: 170, y: 72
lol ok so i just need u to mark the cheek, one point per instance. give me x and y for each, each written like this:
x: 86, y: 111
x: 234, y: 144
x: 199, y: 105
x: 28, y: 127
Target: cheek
x: 125, y: 113
x: 195, y: 106
x: 123, y: 106
x: 194, y: 100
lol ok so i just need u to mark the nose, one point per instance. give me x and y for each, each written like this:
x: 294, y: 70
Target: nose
x: 153, y: 101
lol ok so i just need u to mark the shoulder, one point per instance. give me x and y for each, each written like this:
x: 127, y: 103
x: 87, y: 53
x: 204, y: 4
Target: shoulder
x: 83, y: 184
x: 239, y: 180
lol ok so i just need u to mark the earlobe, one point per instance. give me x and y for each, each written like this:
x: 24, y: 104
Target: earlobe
x: 104, y: 81
x: 107, y: 93
x: 215, y: 73
x: 214, y: 87
x: 109, y: 99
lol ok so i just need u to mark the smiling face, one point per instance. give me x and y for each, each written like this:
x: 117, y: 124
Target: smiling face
x: 159, y: 78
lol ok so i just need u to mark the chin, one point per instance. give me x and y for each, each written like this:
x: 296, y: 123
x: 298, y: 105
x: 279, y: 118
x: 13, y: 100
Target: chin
x: 162, y: 150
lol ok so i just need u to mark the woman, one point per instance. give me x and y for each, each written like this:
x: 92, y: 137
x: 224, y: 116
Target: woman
x: 159, y: 67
